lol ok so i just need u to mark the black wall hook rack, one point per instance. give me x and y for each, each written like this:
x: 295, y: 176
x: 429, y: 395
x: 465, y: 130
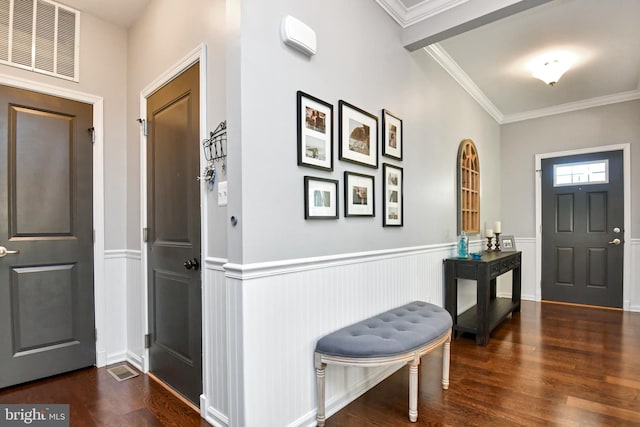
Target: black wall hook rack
x: 214, y: 152
x: 214, y: 146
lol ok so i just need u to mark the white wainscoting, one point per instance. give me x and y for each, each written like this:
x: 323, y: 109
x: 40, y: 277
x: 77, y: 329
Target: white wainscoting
x: 115, y: 307
x: 635, y: 276
x: 135, y: 310
x: 214, y: 402
x: 529, y: 288
x: 261, y: 323
x: 277, y: 312
x: 122, y: 307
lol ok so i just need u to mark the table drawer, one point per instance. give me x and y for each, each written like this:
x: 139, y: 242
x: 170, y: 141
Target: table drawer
x: 466, y: 271
x: 502, y: 267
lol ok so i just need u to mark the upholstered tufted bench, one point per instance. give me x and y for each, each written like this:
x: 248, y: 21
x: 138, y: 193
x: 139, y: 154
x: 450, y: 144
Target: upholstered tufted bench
x: 403, y: 334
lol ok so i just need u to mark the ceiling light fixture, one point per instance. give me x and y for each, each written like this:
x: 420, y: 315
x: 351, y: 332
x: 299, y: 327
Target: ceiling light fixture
x: 550, y: 67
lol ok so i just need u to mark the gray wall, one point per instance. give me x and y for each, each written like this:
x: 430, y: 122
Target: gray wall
x: 102, y: 73
x: 164, y: 35
x: 361, y: 60
x: 593, y: 127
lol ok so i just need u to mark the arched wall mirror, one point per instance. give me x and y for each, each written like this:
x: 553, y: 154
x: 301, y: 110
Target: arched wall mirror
x: 468, y: 188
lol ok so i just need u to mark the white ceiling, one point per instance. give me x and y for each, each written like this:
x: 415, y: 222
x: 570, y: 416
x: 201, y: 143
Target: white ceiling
x: 485, y: 45
x: 490, y: 60
x: 122, y: 13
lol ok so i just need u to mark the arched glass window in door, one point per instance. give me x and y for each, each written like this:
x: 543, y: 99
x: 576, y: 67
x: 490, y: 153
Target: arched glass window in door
x: 468, y: 188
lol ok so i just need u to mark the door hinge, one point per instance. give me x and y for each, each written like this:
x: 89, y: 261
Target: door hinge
x: 147, y: 341
x: 92, y: 131
x: 145, y: 126
x: 145, y: 234
x: 95, y: 334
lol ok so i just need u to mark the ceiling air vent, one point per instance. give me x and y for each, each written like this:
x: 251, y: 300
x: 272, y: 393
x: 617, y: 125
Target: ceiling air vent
x: 41, y: 36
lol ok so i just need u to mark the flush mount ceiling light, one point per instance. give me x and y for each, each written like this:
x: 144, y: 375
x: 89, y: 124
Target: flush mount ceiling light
x: 550, y: 67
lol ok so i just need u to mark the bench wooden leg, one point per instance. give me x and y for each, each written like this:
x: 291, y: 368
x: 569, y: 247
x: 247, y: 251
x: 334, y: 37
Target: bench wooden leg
x: 413, y: 389
x: 446, y: 358
x: 320, y: 372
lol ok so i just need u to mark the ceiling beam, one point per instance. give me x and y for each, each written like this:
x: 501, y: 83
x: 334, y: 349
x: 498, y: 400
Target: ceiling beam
x: 461, y: 18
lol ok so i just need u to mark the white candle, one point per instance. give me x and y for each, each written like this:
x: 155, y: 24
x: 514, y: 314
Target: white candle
x: 497, y: 227
x: 489, y: 233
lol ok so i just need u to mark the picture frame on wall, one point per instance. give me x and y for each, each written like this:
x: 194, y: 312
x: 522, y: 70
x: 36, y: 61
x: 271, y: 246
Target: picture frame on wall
x: 359, y: 192
x: 320, y: 198
x: 392, y: 135
x: 315, y: 132
x: 392, y: 187
x: 358, y: 136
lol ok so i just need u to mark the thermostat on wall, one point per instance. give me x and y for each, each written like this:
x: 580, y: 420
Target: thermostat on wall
x: 298, y: 35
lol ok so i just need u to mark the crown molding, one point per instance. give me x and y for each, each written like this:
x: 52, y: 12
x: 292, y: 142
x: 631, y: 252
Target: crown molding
x: 450, y: 66
x: 572, y: 106
x: 442, y: 57
x: 406, y: 16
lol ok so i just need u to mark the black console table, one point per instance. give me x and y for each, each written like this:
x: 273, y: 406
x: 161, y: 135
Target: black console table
x: 489, y: 311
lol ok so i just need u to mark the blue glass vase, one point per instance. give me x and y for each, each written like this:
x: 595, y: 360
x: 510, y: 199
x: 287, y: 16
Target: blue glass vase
x: 463, y: 245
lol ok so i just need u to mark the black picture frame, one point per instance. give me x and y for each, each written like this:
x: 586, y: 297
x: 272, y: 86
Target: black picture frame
x: 392, y: 135
x: 392, y: 193
x: 358, y: 135
x: 359, y: 195
x: 314, y: 118
x: 320, y: 198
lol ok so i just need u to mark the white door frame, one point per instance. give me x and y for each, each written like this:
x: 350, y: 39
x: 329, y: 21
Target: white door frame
x: 198, y: 54
x: 98, y: 194
x: 626, y: 270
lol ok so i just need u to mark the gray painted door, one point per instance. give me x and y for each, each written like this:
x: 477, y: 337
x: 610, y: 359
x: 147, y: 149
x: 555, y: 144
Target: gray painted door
x: 579, y: 265
x: 174, y: 234
x: 46, y: 213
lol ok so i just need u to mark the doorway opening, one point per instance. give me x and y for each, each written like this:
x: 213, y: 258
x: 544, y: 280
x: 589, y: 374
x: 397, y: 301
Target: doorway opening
x: 626, y: 228
x: 161, y: 284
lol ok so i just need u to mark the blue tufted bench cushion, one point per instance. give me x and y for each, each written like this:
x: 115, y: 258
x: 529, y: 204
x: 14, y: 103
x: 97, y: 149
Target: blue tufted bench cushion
x: 403, y: 334
x: 393, y: 332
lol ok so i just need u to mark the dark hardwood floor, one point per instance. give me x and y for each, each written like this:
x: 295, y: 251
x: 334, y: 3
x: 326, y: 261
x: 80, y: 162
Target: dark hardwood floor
x: 95, y: 398
x: 548, y: 365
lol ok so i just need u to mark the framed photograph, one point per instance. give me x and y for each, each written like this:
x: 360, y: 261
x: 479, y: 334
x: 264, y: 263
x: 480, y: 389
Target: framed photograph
x: 507, y: 244
x: 392, y: 193
x: 320, y: 198
x: 392, y: 135
x: 315, y: 132
x: 358, y: 135
x: 358, y: 194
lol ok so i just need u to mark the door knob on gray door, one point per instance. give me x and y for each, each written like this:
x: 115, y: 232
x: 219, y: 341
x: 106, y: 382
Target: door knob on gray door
x: 5, y: 252
x: 192, y: 264
x: 615, y: 242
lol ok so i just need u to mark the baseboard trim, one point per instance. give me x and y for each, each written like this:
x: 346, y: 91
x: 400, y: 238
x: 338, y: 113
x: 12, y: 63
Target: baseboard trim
x: 213, y: 416
x: 338, y: 402
x: 116, y: 357
x: 135, y: 360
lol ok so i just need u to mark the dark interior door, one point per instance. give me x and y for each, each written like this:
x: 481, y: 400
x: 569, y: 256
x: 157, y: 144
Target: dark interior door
x: 174, y: 230
x: 582, y: 235
x: 46, y: 230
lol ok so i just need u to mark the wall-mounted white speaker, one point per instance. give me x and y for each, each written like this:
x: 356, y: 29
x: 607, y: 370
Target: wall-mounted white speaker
x: 298, y: 35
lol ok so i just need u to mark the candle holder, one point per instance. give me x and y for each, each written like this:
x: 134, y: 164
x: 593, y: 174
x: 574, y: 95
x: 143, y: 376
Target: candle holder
x: 498, y: 242
x: 489, y: 244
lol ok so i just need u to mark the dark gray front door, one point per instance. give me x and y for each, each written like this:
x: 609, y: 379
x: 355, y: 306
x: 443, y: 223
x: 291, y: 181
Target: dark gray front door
x: 581, y: 259
x: 46, y: 218
x: 173, y: 149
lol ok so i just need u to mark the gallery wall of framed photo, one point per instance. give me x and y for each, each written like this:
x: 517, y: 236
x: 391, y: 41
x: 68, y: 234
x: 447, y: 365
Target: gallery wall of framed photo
x: 358, y: 145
